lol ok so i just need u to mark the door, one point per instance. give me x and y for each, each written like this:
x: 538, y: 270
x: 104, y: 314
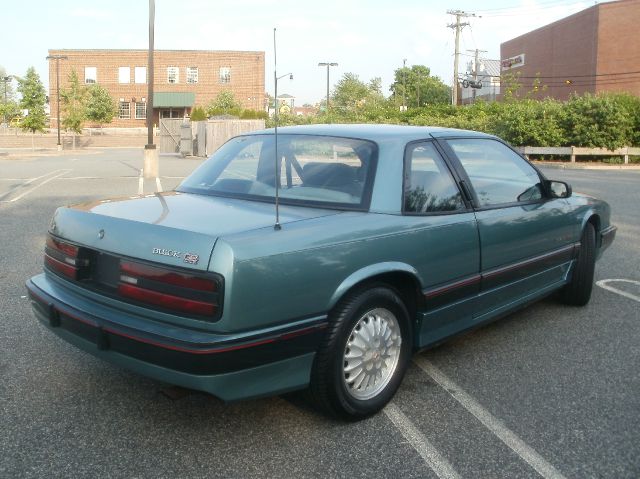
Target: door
x: 444, y: 243
x: 525, y: 235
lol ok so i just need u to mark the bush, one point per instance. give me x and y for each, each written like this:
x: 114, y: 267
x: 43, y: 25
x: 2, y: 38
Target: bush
x: 198, y: 114
x: 608, y: 120
x: 601, y: 121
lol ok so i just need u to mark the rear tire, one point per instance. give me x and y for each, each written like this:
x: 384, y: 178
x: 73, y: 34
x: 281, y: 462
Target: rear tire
x: 364, y: 355
x: 578, y: 291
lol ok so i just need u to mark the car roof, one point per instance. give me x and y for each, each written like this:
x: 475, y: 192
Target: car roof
x: 374, y: 132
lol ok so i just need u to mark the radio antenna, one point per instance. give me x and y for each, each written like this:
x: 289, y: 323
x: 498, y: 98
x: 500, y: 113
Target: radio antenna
x: 277, y: 226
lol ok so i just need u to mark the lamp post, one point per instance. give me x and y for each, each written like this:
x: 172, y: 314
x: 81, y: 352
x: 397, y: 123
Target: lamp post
x: 151, y: 164
x: 57, y: 58
x: 6, y: 80
x: 404, y: 84
x: 328, y: 65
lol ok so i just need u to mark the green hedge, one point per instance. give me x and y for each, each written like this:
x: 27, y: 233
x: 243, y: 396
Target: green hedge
x: 610, y: 120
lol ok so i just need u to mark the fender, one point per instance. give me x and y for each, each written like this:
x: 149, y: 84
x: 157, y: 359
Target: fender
x: 369, y: 272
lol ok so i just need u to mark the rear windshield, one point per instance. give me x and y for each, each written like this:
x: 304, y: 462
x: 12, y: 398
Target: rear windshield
x: 312, y: 170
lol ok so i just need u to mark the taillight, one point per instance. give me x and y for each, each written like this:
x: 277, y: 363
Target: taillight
x: 63, y: 258
x: 193, y: 294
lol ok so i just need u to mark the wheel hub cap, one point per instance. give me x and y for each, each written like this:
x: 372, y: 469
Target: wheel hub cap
x: 371, y: 354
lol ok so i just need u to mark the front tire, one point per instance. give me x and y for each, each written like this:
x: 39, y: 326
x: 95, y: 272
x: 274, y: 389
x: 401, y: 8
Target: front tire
x: 364, y: 355
x: 578, y: 291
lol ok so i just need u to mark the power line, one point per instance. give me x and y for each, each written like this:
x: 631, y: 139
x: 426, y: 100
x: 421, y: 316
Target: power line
x: 569, y: 77
x: 550, y: 4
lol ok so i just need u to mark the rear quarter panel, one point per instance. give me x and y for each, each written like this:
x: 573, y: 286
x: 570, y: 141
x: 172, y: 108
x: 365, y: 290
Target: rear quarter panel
x: 300, y: 271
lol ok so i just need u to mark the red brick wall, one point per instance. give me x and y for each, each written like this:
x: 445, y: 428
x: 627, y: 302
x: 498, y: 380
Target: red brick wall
x: 247, y: 75
x: 583, y: 48
x: 619, y: 46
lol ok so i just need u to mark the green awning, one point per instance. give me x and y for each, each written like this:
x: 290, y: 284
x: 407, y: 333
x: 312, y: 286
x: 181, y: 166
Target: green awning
x: 173, y: 100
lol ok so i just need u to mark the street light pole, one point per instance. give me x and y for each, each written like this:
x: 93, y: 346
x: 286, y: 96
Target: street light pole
x: 404, y: 83
x: 328, y: 65
x: 6, y: 80
x: 151, y: 167
x: 57, y: 58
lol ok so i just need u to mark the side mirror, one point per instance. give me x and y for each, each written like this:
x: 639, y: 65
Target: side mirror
x: 559, y: 189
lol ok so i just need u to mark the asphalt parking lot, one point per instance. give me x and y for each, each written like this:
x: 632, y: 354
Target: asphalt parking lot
x: 551, y: 391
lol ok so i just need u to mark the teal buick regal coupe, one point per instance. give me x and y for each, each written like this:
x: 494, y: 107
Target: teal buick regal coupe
x: 320, y: 257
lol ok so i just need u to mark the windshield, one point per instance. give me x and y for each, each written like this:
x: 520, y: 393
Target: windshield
x: 313, y: 170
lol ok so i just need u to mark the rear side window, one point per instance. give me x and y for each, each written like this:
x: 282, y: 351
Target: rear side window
x: 498, y: 175
x: 428, y: 184
x: 310, y: 170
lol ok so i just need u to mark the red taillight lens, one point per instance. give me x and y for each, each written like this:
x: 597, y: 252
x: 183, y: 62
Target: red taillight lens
x: 63, y: 258
x: 63, y: 268
x: 193, y: 294
x: 168, y: 301
x: 64, y: 248
x: 165, y: 276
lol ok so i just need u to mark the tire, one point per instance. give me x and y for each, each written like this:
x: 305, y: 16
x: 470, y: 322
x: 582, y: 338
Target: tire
x: 578, y: 291
x: 364, y: 354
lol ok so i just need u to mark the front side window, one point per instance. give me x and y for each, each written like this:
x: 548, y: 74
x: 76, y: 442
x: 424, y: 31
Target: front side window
x: 124, y: 110
x: 124, y: 75
x: 225, y: 74
x: 498, y: 175
x: 173, y: 74
x: 428, y: 184
x: 192, y: 75
x: 90, y: 74
x: 314, y: 170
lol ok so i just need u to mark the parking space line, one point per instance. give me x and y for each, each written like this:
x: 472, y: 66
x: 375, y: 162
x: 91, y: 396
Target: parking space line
x: 604, y: 284
x: 27, y: 182
x: 22, y: 195
x: 158, y: 185
x: 421, y: 444
x: 495, y: 425
x: 141, y: 183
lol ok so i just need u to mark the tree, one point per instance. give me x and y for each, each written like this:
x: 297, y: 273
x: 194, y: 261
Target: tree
x: 419, y: 88
x: 8, y: 106
x: 351, y: 94
x: 74, y: 105
x: 100, y: 107
x: 33, y: 100
x: 224, y: 103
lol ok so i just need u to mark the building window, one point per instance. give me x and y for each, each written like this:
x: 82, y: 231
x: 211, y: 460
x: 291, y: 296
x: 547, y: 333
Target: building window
x: 225, y: 74
x: 192, y: 74
x: 141, y: 110
x: 140, y: 74
x: 90, y: 74
x: 124, y: 75
x: 173, y: 74
x: 125, y: 110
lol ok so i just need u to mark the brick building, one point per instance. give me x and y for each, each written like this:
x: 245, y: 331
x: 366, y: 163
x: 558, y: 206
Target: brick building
x: 594, y: 50
x: 182, y: 79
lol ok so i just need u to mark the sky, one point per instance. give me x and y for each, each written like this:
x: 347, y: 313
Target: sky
x: 368, y: 38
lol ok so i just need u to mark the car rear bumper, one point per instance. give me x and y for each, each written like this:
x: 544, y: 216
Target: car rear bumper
x: 229, y: 366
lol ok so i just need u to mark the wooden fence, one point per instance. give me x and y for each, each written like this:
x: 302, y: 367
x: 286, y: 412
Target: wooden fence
x: 206, y: 136
x: 574, y: 151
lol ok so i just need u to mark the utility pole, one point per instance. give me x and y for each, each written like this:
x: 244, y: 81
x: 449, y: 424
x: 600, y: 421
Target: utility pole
x: 475, y: 70
x: 458, y: 27
x: 57, y: 58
